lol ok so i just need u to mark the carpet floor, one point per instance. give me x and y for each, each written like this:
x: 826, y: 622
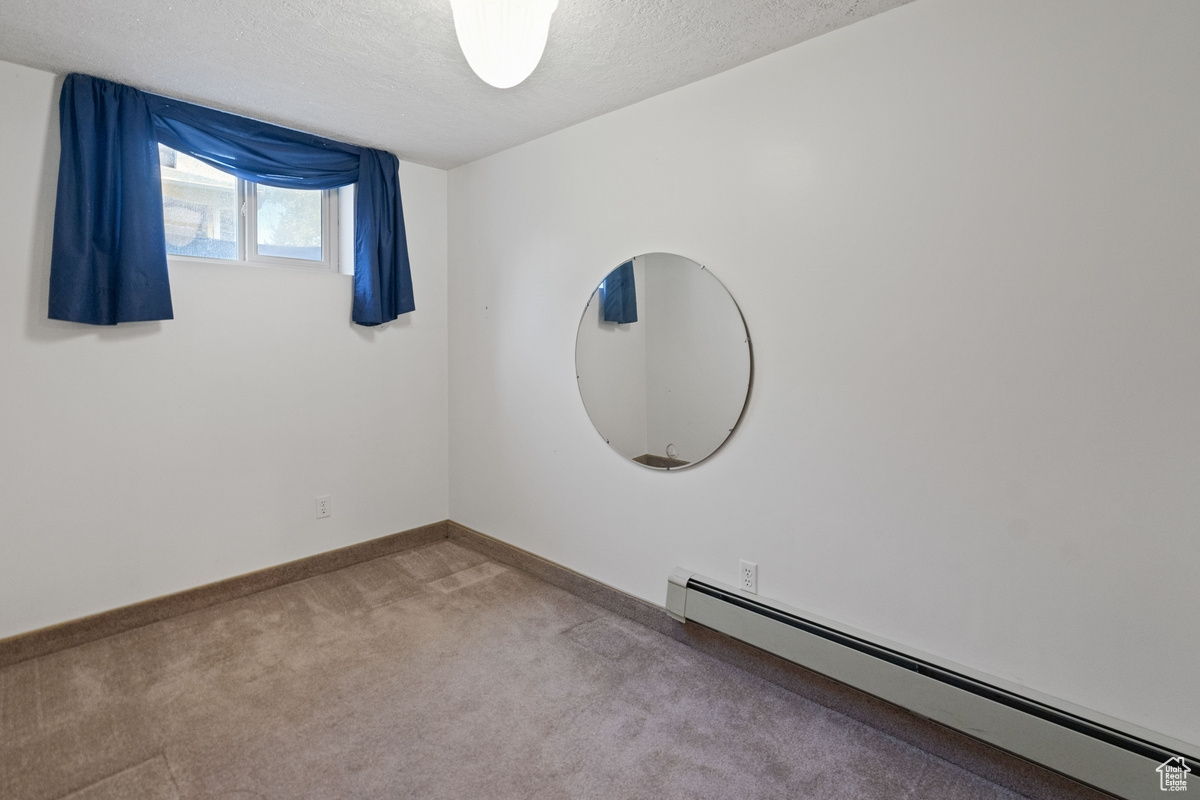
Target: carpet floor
x: 431, y: 673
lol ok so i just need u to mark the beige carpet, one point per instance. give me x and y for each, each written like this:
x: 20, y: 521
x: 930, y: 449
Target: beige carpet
x: 432, y: 673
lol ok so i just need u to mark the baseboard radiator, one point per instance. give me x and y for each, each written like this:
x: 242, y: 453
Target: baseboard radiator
x: 1076, y: 743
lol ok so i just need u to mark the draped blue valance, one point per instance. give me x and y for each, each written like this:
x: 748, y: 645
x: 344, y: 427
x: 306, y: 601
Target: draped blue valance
x: 620, y: 297
x: 109, y: 260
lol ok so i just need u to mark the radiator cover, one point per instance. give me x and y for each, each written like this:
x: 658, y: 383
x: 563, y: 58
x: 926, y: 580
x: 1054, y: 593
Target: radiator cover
x: 1104, y: 753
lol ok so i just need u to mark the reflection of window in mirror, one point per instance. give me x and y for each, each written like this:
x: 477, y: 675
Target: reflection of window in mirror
x: 618, y: 294
x: 666, y: 391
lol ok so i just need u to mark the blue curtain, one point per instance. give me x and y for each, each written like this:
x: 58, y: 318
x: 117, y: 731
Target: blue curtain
x: 620, y: 297
x: 109, y: 260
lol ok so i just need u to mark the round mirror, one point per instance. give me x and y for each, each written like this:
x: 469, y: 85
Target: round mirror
x: 663, y: 361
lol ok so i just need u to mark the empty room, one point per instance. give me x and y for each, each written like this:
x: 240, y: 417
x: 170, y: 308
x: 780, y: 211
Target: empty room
x: 599, y: 399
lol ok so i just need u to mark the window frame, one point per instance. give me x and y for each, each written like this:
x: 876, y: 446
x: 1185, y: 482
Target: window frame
x: 337, y: 216
x: 248, y: 250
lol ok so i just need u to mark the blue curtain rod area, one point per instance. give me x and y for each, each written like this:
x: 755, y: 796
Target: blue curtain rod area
x: 109, y: 259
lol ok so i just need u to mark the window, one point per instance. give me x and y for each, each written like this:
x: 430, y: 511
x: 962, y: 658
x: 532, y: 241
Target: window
x: 211, y: 214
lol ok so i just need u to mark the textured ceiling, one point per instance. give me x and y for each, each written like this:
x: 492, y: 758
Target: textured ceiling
x: 390, y: 74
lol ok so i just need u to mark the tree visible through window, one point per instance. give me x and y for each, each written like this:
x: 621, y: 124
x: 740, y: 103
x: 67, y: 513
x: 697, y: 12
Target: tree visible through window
x: 289, y: 222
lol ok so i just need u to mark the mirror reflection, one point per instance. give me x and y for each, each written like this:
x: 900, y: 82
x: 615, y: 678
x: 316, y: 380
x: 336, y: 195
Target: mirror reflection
x: 663, y: 360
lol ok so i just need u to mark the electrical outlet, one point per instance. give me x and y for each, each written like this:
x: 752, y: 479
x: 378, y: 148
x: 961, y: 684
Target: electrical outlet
x: 749, y: 577
x: 324, y: 506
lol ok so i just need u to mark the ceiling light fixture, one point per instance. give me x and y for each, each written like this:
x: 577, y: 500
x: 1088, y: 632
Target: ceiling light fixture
x: 503, y: 40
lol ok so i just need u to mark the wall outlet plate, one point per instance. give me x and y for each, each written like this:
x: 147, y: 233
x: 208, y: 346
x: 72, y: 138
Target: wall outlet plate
x: 748, y: 577
x: 324, y: 506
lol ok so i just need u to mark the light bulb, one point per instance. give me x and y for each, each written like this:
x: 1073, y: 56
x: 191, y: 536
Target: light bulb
x: 503, y: 40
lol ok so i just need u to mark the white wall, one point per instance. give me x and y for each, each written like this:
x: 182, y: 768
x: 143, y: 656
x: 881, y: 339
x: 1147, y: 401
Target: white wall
x: 153, y: 457
x: 964, y: 238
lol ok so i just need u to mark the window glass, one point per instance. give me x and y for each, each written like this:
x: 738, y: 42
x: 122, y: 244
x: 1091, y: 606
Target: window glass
x: 289, y: 223
x: 200, y: 207
x: 208, y: 213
